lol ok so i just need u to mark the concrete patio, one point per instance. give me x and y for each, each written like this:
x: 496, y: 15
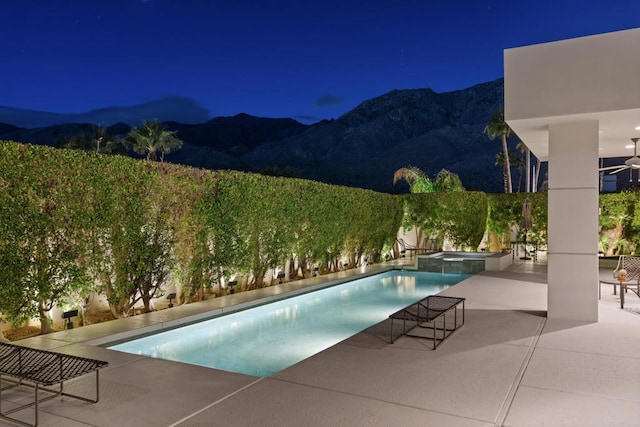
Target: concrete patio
x: 507, y: 366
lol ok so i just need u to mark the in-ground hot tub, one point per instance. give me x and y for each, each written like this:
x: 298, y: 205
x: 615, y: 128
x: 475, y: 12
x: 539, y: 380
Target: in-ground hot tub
x: 463, y: 262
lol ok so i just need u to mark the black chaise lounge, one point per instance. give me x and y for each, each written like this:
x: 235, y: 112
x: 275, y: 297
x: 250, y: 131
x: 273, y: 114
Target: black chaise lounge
x: 427, y: 314
x: 38, y: 369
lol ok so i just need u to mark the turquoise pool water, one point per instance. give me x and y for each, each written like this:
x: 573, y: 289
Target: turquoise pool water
x: 264, y: 340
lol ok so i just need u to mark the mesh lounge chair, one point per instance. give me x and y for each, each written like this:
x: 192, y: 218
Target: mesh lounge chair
x: 426, y: 313
x: 40, y: 369
x: 627, y: 272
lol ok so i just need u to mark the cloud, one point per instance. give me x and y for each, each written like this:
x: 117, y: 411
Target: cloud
x: 329, y: 100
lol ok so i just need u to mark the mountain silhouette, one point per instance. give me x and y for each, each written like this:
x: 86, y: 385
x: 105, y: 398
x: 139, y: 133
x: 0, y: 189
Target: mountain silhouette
x: 362, y: 148
x: 176, y: 108
x: 417, y: 127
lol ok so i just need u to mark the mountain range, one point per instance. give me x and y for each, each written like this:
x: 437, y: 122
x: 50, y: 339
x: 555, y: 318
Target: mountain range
x: 362, y: 148
x: 170, y: 108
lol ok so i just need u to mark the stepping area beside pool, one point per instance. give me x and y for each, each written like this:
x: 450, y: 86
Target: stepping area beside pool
x: 508, y: 365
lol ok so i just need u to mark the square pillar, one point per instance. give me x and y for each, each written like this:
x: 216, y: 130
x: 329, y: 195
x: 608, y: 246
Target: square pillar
x: 573, y: 221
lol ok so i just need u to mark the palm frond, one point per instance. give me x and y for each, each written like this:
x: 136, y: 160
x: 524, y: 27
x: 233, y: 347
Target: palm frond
x: 497, y: 126
x: 409, y: 174
x: 417, y: 180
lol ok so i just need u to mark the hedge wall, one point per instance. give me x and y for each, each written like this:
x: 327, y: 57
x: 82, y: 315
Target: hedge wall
x: 505, y: 212
x: 74, y: 223
x: 459, y: 216
x: 619, y: 223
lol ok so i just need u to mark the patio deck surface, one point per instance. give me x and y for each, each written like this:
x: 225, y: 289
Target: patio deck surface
x: 507, y: 366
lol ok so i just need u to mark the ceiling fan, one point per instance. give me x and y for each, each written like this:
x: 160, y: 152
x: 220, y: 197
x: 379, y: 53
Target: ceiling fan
x: 631, y: 163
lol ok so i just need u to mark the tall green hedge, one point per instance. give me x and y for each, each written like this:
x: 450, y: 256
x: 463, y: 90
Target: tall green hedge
x: 73, y: 223
x: 619, y: 223
x: 505, y: 212
x: 459, y: 216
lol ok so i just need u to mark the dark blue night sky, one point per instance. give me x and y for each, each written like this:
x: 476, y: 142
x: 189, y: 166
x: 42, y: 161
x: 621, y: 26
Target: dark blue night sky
x: 309, y: 60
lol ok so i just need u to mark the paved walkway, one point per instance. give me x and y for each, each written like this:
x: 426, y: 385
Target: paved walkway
x: 507, y: 366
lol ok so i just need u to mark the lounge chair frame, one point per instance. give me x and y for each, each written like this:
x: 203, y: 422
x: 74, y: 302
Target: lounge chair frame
x: 426, y: 314
x: 39, y: 369
x: 632, y: 265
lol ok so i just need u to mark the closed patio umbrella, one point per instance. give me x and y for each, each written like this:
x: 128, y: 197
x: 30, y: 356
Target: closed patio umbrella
x: 526, y: 223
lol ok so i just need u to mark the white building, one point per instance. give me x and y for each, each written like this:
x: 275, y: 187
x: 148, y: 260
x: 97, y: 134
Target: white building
x: 572, y: 102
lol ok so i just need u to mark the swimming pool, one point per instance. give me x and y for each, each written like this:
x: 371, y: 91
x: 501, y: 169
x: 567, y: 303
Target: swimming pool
x: 267, y: 339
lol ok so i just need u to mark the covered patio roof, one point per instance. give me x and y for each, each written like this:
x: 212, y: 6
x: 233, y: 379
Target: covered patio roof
x: 595, y: 77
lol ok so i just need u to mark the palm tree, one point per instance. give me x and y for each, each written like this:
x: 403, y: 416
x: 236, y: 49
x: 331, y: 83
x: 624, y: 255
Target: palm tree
x: 94, y: 139
x: 153, y: 138
x: 514, y: 162
x: 417, y: 180
x: 500, y: 162
x: 447, y: 181
x: 497, y: 127
x: 420, y: 183
x: 536, y: 175
x: 527, y: 165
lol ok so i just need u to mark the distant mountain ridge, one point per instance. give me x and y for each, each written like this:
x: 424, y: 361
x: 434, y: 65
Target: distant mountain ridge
x: 403, y: 127
x: 176, y: 108
x: 362, y: 148
x: 241, y: 132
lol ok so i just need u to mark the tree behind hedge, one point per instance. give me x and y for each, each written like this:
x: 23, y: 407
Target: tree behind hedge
x: 459, y: 216
x: 505, y: 213
x: 619, y: 223
x: 41, y: 245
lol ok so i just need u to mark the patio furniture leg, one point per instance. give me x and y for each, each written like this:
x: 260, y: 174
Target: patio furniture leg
x: 36, y: 407
x: 435, y: 326
x: 455, y: 318
x: 391, y: 334
x: 463, y: 301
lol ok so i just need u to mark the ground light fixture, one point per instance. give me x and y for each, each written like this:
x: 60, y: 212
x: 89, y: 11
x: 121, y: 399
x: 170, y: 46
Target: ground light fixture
x: 171, y: 297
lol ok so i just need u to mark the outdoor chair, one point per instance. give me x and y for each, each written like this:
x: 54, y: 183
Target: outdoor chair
x: 627, y: 273
x: 40, y: 369
x: 630, y: 264
x: 426, y: 313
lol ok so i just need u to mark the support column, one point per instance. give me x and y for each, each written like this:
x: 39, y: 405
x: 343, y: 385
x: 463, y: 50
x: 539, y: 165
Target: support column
x: 573, y: 221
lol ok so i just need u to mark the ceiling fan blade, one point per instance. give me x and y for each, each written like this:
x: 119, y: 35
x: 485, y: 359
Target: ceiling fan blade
x: 612, y: 167
x: 619, y: 170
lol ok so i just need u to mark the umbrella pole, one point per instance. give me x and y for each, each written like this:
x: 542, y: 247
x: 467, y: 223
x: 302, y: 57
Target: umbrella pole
x: 525, y: 257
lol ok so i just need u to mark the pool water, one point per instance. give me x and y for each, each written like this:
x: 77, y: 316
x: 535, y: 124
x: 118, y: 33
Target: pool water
x: 267, y: 339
